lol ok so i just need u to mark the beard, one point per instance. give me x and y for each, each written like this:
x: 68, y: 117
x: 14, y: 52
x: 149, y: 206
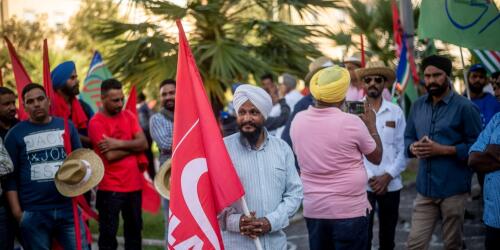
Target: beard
x: 373, y: 93
x: 253, y: 136
x: 435, y: 89
x: 71, y: 91
x: 169, y: 105
x: 476, y: 88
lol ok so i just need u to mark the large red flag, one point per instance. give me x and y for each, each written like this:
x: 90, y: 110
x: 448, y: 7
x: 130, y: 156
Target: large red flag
x: 150, y: 199
x: 47, y: 80
x: 203, y: 180
x: 21, y: 76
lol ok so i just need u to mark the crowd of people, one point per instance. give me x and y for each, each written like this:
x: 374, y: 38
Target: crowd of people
x: 337, y: 149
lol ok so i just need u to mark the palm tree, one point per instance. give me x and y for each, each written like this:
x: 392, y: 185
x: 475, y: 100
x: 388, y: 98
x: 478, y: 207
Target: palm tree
x: 231, y: 41
x: 374, y: 22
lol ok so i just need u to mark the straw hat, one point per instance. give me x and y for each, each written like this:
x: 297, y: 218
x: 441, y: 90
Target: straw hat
x: 81, y: 171
x: 162, y: 179
x: 355, y: 59
x: 316, y: 65
x: 377, y: 68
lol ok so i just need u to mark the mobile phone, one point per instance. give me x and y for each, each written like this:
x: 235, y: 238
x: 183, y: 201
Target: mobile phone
x: 355, y: 107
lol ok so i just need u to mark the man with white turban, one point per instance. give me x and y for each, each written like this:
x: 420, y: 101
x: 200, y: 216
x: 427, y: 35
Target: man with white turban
x: 266, y: 168
x: 329, y: 145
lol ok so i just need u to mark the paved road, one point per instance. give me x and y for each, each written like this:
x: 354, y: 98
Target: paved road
x: 473, y: 228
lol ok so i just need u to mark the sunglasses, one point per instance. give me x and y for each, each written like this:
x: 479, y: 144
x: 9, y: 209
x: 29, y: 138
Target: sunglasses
x: 377, y: 79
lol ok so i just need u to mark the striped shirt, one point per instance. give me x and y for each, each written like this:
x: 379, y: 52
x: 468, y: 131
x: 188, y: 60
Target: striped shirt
x: 490, y: 135
x: 162, y: 132
x: 272, y: 189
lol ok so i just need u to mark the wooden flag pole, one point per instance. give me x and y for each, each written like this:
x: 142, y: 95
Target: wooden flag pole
x: 466, y: 81
x: 244, y: 205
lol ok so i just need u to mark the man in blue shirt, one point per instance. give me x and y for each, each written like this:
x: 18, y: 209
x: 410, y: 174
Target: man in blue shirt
x: 441, y: 127
x: 36, y: 147
x: 485, y: 158
x: 487, y: 103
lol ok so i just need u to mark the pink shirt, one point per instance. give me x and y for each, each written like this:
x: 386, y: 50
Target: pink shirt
x: 354, y: 94
x: 329, y: 145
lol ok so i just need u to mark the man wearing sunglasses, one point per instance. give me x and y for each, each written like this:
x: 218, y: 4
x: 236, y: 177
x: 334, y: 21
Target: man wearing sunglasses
x: 441, y: 127
x: 384, y: 180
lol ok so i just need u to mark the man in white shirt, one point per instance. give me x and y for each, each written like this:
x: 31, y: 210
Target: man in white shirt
x: 384, y: 180
x: 288, y: 88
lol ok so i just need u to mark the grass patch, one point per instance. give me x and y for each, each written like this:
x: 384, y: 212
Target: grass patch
x: 153, y: 227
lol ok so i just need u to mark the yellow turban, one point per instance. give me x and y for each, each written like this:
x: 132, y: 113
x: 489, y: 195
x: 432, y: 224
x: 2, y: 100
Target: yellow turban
x: 330, y: 84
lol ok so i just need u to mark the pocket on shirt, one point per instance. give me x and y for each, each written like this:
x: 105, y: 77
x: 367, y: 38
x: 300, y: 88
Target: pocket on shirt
x: 388, y: 134
x: 279, y: 175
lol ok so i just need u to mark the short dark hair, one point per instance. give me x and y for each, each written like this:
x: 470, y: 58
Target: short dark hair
x: 31, y: 87
x: 110, y: 84
x: 166, y: 82
x: 495, y: 75
x: 5, y: 91
x: 141, y: 97
x: 267, y: 76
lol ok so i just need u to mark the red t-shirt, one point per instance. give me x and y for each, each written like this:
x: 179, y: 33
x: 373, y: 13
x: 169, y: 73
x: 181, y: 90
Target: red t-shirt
x: 122, y: 175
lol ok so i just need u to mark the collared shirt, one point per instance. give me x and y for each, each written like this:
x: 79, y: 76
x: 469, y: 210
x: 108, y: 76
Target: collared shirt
x: 330, y: 145
x: 272, y: 189
x: 391, y: 126
x: 453, y: 121
x: 162, y: 132
x: 490, y: 135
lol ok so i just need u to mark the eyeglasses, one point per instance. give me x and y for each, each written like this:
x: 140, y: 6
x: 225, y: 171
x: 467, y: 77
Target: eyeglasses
x: 377, y: 79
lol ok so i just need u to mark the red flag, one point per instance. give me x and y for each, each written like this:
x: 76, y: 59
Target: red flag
x: 150, y: 199
x: 47, y: 80
x: 396, y: 27
x: 203, y: 180
x: 21, y: 76
x: 132, y: 101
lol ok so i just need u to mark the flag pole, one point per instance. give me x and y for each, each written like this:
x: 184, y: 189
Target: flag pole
x: 246, y: 211
x: 465, y: 74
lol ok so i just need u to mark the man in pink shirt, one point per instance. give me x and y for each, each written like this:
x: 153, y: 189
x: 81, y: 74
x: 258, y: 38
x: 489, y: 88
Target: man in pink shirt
x: 330, y: 145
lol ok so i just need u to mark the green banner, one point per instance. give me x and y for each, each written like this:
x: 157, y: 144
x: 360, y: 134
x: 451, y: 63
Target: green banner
x: 473, y: 24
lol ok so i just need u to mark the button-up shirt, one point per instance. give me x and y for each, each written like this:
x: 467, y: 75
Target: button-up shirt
x: 490, y: 135
x: 272, y: 189
x: 391, y: 126
x: 161, y: 130
x: 453, y: 121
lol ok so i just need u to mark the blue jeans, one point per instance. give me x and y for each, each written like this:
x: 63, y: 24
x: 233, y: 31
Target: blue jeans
x: 6, y: 230
x: 40, y: 228
x: 338, y: 234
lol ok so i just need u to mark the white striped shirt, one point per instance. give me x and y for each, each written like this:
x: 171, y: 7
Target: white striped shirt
x: 272, y: 189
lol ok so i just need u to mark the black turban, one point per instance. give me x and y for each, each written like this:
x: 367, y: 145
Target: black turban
x: 439, y: 62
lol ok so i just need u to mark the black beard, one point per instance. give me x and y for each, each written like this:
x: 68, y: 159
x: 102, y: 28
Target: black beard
x: 436, y: 92
x: 476, y: 88
x: 252, y: 137
x: 70, y: 91
x: 374, y: 94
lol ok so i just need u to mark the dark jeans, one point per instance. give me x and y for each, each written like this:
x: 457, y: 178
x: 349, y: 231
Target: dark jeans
x: 492, y: 240
x: 387, y: 208
x: 338, y: 234
x: 6, y: 230
x: 109, y: 205
x: 39, y: 228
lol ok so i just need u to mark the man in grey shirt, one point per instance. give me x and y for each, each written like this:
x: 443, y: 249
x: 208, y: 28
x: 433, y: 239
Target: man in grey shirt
x: 266, y: 168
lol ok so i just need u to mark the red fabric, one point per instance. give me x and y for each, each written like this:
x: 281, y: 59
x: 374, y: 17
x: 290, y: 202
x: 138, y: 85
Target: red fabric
x: 150, y: 199
x: 122, y: 175
x: 396, y: 27
x: 47, y: 80
x: 202, y: 172
x: 61, y: 109
x: 21, y: 76
x: 132, y: 101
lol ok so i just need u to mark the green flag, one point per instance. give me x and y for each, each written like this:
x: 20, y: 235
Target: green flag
x: 98, y: 72
x: 473, y: 24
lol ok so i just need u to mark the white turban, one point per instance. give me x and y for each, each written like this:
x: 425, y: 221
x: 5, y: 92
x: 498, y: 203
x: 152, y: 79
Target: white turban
x: 257, y: 96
